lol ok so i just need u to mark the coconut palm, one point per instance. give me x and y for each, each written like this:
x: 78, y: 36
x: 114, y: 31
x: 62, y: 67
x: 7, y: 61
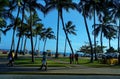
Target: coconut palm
x: 70, y: 29
x: 14, y: 5
x: 41, y: 36
x: 48, y: 34
x: 33, y: 5
x: 104, y: 28
x: 93, y: 7
x: 111, y: 35
x: 82, y: 9
x: 115, y: 11
x: 38, y: 29
x: 3, y: 15
x: 2, y: 27
x: 60, y: 5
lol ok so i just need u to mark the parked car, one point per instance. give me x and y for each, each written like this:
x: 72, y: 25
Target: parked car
x: 111, y: 55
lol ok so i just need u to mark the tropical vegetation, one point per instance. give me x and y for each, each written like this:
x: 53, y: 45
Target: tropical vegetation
x: 23, y: 18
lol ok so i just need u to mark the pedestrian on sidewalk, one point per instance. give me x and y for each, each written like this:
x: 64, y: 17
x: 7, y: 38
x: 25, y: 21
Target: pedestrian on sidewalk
x: 76, y: 58
x: 71, y: 57
x: 11, y: 58
x: 44, y: 61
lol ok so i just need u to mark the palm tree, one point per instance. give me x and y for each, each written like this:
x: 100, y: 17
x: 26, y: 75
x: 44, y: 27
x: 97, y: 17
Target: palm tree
x: 35, y: 22
x: 115, y: 11
x: 41, y: 36
x: 111, y: 35
x: 70, y: 29
x: 93, y: 8
x: 21, y: 27
x: 60, y: 5
x: 13, y: 6
x: 48, y: 34
x: 82, y: 8
x: 2, y: 27
x: 3, y: 16
x: 105, y: 28
x: 33, y: 5
x: 38, y: 29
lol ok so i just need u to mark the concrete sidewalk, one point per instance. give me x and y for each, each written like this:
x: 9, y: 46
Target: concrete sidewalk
x: 75, y: 70
x: 60, y: 71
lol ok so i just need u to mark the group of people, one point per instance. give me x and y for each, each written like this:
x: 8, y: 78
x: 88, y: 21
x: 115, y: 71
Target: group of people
x: 72, y: 56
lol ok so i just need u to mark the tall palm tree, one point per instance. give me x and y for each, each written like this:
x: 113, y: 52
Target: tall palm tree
x: 115, y: 11
x: 70, y: 29
x: 105, y: 28
x: 60, y: 5
x: 82, y: 9
x: 35, y: 22
x: 33, y: 5
x: 111, y: 35
x: 48, y: 34
x: 93, y: 8
x: 21, y: 27
x: 41, y: 37
x: 38, y: 29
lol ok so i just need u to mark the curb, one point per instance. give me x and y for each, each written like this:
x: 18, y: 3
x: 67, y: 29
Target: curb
x: 48, y: 73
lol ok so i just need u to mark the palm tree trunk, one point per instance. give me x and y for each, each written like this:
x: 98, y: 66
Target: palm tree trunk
x: 31, y: 35
x: 25, y: 44
x: 39, y: 45
x: 88, y: 36
x: 66, y: 34
x: 65, y: 47
x: 16, y: 53
x: 109, y: 43
x: 44, y: 45
x: 0, y: 36
x: 56, y: 55
x: 13, y: 36
x: 35, y: 43
x: 95, y: 37
x: 21, y: 44
x: 101, y: 41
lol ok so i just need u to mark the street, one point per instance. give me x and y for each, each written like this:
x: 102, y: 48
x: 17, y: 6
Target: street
x: 58, y: 77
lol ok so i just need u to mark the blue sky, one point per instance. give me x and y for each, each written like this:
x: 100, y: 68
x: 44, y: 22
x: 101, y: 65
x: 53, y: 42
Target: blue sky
x: 50, y: 20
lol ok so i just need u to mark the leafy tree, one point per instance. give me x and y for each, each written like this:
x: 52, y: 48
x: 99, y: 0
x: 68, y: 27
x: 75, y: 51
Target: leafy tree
x: 111, y: 50
x: 86, y: 48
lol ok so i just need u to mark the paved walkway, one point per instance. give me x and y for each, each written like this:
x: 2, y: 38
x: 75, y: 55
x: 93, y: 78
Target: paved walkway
x: 77, y: 70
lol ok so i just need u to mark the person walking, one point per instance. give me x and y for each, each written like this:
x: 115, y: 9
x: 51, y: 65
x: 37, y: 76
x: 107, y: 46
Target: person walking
x: 44, y: 61
x: 71, y: 58
x: 10, y: 58
x: 76, y: 58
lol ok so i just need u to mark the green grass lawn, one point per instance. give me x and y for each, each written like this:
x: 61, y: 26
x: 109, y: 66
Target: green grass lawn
x: 52, y: 62
x: 59, y: 62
